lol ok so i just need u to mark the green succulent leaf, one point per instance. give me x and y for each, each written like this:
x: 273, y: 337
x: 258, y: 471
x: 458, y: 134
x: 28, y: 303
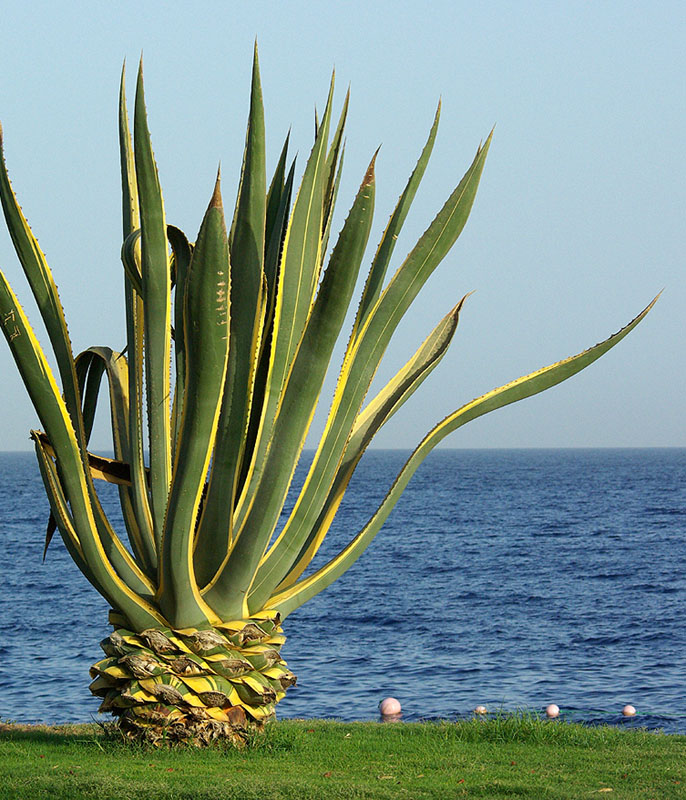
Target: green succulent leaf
x: 59, y: 510
x: 246, y: 245
x: 377, y: 273
x: 206, y: 326
x: 334, y: 170
x: 318, y: 503
x: 228, y: 345
x: 133, y: 298
x: 54, y: 416
x: 156, y: 286
x: 300, y: 263
x: 298, y: 402
x: 363, y: 356
x: 287, y: 601
x: 43, y: 287
x: 91, y: 365
x: 274, y: 219
x: 131, y: 259
x: 182, y: 250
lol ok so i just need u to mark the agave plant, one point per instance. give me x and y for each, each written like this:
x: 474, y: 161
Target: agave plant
x: 228, y: 341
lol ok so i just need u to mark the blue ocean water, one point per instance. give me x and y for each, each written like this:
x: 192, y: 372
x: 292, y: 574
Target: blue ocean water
x: 509, y: 578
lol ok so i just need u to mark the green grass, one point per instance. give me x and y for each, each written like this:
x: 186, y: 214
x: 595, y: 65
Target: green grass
x: 510, y: 757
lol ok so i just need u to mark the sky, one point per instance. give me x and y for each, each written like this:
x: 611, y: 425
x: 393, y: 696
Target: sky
x: 579, y: 221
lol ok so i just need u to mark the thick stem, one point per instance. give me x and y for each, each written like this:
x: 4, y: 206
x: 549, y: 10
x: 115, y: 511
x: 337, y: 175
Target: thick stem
x: 194, y: 685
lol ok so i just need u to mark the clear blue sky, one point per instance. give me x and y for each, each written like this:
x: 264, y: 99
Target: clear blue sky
x: 579, y: 221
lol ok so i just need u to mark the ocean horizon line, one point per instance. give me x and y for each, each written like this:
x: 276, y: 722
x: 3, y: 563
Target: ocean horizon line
x: 495, y: 448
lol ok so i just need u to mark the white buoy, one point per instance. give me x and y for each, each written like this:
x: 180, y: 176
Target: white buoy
x: 481, y: 710
x: 629, y: 711
x: 552, y: 711
x: 389, y: 707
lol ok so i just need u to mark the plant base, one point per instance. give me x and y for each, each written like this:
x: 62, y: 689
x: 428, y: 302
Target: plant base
x: 194, y: 685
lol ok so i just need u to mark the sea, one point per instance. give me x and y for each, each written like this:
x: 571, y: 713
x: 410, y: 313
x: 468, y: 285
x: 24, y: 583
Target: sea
x: 506, y: 578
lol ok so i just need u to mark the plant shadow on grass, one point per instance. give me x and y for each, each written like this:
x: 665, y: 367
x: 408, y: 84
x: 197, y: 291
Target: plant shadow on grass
x: 89, y: 733
x: 273, y: 738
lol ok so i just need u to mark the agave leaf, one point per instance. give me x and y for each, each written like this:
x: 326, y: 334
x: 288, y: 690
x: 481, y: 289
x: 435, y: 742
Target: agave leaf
x: 273, y: 257
x: 526, y: 386
x: 329, y: 212
x: 94, y: 362
x: 89, y: 372
x: 49, y: 533
x: 182, y: 251
x: 366, y: 349
x: 60, y: 510
x: 334, y: 168
x: 130, y: 206
x: 262, y: 373
x: 275, y: 236
x: 377, y: 273
x: 101, y: 468
x: 131, y: 259
x: 33, y: 367
x: 248, y: 225
x: 206, y: 326
x: 52, y: 412
x: 318, y: 503
x: 43, y: 287
x: 408, y: 379
x: 246, y: 245
x: 156, y: 286
x: 228, y: 593
x: 299, y: 261
x: 132, y: 572
x: 90, y: 367
x: 274, y: 199
x: 134, y: 328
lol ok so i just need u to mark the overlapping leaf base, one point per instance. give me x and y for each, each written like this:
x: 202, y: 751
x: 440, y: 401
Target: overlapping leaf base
x: 193, y: 685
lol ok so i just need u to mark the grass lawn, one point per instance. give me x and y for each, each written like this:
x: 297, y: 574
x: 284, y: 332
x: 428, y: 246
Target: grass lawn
x: 512, y: 757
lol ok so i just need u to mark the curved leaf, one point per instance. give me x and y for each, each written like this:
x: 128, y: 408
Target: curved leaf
x: 94, y: 362
x: 247, y: 251
x: 318, y: 503
x: 182, y: 251
x: 382, y: 258
x: 228, y: 593
x: 156, y: 285
x: 44, y: 290
x: 366, y: 348
x: 300, y: 260
x: 287, y: 601
x: 52, y: 412
x: 134, y: 329
x: 206, y: 326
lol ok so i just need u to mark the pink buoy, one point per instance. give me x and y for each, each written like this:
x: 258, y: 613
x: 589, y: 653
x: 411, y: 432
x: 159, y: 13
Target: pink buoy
x: 389, y: 707
x: 552, y: 711
x: 481, y: 710
x: 629, y: 711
